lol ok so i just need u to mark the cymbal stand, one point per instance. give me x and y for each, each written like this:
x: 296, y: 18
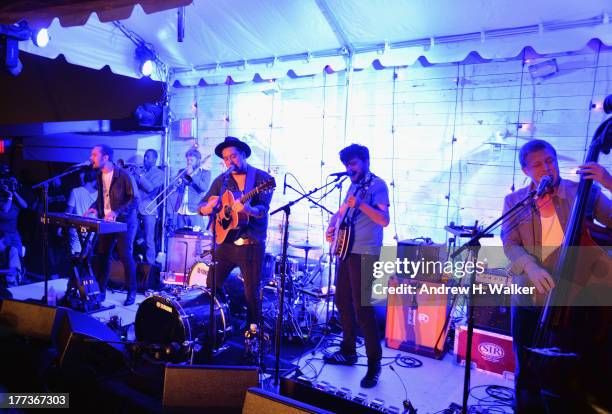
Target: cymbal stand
x: 212, y: 328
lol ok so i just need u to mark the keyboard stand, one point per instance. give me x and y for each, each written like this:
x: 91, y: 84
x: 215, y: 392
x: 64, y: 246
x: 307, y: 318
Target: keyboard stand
x: 83, y: 293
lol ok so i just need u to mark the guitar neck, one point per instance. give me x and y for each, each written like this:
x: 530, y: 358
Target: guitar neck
x: 350, y: 209
x: 249, y: 195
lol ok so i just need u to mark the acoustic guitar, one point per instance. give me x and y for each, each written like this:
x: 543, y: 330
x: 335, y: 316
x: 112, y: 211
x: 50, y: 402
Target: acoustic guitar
x: 228, y: 219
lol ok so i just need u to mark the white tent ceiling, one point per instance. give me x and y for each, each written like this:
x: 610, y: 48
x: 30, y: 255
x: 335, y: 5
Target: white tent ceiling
x: 241, y: 38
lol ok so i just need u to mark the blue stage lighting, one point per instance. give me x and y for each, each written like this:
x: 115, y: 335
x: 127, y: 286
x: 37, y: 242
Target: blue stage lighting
x: 145, y: 59
x: 41, y: 37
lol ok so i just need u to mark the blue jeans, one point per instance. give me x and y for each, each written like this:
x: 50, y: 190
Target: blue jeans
x: 148, y: 223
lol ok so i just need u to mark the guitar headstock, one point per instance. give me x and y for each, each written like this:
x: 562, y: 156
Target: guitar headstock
x: 267, y: 185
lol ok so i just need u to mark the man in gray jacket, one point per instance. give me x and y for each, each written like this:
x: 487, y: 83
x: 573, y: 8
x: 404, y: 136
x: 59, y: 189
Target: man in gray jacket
x: 149, y: 180
x: 529, y: 238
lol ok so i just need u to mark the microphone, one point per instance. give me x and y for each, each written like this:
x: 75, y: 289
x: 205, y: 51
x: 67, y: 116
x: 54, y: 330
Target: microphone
x: 83, y: 164
x: 342, y: 174
x: 285, y: 185
x: 546, y: 183
x: 229, y: 170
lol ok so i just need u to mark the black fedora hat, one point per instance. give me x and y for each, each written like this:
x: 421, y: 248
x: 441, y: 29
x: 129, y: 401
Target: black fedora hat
x: 233, y: 142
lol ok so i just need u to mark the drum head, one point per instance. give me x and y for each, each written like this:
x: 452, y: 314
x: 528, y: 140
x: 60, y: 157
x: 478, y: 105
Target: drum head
x: 158, y: 321
x: 198, y: 274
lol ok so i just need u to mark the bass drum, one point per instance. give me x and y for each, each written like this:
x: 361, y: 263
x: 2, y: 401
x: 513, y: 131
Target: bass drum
x: 164, y: 320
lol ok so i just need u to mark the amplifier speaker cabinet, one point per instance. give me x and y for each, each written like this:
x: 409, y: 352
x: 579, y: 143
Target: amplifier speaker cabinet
x: 425, y: 249
x: 417, y: 323
x: 184, y: 250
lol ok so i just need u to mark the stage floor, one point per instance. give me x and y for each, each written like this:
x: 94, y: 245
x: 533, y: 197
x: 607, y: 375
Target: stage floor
x: 431, y: 387
x: 127, y: 314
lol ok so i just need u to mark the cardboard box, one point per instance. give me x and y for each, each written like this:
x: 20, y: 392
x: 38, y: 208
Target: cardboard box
x: 491, y: 352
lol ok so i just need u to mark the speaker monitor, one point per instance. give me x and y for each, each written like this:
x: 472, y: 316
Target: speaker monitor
x: 259, y: 401
x: 221, y: 389
x: 83, y: 341
x: 29, y: 319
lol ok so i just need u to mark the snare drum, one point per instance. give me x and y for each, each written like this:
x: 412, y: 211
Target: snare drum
x: 166, y: 319
x: 198, y: 274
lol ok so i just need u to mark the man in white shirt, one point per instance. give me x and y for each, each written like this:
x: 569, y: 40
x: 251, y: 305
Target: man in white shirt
x: 79, y: 201
x: 116, y: 202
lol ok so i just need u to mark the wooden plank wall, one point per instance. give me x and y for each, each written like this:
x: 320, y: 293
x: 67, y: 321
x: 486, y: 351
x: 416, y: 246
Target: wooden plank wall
x: 408, y: 118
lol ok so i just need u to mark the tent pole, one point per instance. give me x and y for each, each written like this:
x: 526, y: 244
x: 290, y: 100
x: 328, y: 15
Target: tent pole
x: 348, y: 85
x: 166, y: 162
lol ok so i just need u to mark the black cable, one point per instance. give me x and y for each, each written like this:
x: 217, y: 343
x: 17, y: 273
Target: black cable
x: 500, y: 392
x: 406, y: 361
x: 499, y: 399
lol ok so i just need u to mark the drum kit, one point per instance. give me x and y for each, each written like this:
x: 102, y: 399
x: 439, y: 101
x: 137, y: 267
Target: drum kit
x: 179, y: 313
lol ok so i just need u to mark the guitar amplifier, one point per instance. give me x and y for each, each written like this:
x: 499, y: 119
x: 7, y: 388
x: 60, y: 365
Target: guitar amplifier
x: 425, y: 250
x: 492, y: 312
x: 417, y: 323
x: 185, y: 248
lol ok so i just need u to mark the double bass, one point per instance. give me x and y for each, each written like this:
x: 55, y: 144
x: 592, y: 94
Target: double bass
x: 572, y: 354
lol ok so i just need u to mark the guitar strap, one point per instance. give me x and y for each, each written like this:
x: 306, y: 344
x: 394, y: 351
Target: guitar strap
x: 362, y: 187
x: 250, y: 179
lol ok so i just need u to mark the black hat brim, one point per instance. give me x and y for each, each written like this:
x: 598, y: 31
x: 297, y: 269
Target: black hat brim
x: 241, y: 146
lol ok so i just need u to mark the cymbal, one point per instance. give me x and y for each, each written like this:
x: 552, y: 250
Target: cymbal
x: 292, y: 227
x: 305, y: 246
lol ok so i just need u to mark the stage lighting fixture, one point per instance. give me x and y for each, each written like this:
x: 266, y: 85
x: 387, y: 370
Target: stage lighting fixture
x: 145, y: 58
x: 9, y: 49
x: 10, y: 35
x: 41, y: 37
x: 150, y: 115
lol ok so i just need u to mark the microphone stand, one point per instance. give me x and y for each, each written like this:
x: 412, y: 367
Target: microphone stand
x: 44, y: 185
x: 473, y: 247
x: 213, y: 268
x: 326, y: 327
x: 279, y: 319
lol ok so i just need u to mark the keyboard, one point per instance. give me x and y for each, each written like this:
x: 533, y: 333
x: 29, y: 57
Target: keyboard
x: 84, y: 224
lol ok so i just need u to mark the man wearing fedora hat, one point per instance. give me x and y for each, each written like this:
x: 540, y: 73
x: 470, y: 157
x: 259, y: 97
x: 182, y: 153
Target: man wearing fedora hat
x: 245, y: 246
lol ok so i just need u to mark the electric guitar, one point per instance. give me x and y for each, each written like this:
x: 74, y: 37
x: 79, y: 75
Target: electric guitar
x: 228, y: 219
x: 342, y: 241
